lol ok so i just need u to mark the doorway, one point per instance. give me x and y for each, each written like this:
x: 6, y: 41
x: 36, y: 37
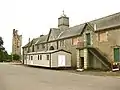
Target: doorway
x: 82, y: 62
x: 61, y: 60
x: 116, y: 54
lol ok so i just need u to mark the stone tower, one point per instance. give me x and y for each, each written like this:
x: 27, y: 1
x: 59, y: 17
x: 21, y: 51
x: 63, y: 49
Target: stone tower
x: 63, y: 22
x: 16, y: 42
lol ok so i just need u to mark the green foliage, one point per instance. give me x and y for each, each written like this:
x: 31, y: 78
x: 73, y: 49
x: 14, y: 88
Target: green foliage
x: 3, y: 56
x: 10, y: 57
x: 1, y: 41
x: 15, y: 57
x: 3, y: 53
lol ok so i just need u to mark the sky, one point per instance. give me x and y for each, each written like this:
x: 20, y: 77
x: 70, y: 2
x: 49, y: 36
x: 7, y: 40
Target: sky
x: 35, y: 17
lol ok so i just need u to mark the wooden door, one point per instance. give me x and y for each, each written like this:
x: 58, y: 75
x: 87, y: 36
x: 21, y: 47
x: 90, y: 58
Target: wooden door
x: 61, y: 60
x: 116, y: 55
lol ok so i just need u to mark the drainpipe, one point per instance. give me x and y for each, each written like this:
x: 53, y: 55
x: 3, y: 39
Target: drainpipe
x: 23, y: 55
x: 50, y: 60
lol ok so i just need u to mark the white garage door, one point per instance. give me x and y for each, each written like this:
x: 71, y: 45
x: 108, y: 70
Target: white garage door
x: 61, y: 60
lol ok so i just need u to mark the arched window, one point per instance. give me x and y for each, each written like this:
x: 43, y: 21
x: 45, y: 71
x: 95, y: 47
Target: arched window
x: 33, y: 48
x: 51, y: 48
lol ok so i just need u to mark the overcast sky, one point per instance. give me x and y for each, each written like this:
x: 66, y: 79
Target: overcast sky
x: 35, y: 17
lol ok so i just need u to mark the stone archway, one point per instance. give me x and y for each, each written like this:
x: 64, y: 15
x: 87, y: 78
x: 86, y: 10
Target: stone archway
x: 51, y: 48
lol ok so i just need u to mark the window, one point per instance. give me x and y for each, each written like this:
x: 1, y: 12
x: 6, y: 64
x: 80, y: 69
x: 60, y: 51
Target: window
x: 88, y: 38
x: 51, y: 48
x: 74, y: 41
x: 43, y: 46
x: 25, y: 49
x: 102, y: 36
x: 47, y: 57
x: 31, y: 57
x: 28, y: 50
x: 24, y: 57
x: 40, y: 57
x: 37, y: 46
x: 33, y: 48
x: 62, y: 43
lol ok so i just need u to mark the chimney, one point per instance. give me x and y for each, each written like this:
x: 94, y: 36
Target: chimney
x: 29, y: 40
x: 13, y: 31
x: 41, y: 35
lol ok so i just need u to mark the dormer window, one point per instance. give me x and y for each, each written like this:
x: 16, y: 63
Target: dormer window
x: 37, y: 46
x: 43, y: 46
x: 32, y: 48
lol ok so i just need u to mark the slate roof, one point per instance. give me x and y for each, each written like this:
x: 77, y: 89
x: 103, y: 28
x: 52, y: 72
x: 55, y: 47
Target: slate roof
x: 72, y: 31
x: 101, y: 24
x: 55, y: 32
x: 31, y: 42
x: 41, y: 39
x: 106, y: 22
x: 28, y: 44
x: 37, y: 40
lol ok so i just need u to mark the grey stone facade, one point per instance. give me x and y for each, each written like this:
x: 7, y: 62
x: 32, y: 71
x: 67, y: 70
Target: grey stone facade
x: 91, y: 43
x: 16, y: 43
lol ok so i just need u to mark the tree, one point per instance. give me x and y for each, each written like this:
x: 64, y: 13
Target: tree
x: 16, y: 57
x: 1, y: 41
x: 3, y: 52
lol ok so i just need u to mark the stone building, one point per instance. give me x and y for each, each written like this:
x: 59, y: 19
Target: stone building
x: 93, y: 44
x: 16, y: 43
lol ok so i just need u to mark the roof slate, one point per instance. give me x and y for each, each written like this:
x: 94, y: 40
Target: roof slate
x: 55, y: 32
x: 41, y: 39
x: 37, y: 40
x: 106, y: 22
x: 72, y: 31
x: 102, y: 23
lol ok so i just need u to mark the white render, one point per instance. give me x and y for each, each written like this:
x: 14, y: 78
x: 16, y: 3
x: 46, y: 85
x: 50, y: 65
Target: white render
x: 53, y: 59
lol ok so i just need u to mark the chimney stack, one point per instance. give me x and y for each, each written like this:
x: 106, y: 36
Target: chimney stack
x: 29, y: 40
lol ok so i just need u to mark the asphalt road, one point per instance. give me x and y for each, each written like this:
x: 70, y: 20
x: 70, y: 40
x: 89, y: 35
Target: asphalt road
x: 18, y: 77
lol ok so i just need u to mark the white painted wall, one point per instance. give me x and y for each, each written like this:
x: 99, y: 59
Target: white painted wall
x: 46, y: 63
x: 54, y: 59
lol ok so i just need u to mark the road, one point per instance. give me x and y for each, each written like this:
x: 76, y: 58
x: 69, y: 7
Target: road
x: 18, y: 77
